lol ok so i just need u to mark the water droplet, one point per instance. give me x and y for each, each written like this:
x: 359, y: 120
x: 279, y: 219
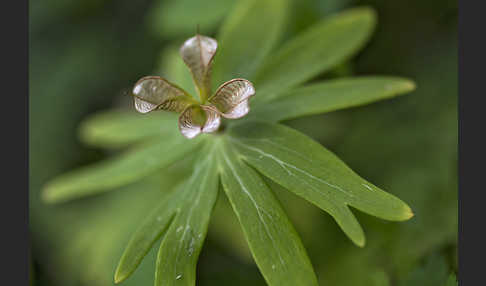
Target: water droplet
x: 159, y: 218
x: 179, y: 228
x: 273, y: 266
x: 178, y: 276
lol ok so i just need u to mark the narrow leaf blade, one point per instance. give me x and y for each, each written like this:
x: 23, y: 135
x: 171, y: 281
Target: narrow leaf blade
x: 247, y: 36
x: 275, y: 245
x: 315, y: 51
x: 116, y: 129
x: 147, y: 234
x: 127, y: 168
x: 332, y: 95
x: 181, y: 245
x: 306, y: 168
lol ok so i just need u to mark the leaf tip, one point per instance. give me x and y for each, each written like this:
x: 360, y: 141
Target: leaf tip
x: 402, y: 86
x: 48, y: 194
x: 88, y: 136
x: 87, y: 131
x: 118, y: 279
x: 56, y: 191
x: 409, y: 85
x: 120, y: 275
x: 408, y: 213
x: 405, y: 214
x: 362, y: 16
x: 359, y: 238
x: 367, y: 13
x: 361, y: 241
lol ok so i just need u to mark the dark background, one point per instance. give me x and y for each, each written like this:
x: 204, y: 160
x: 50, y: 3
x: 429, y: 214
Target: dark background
x: 84, y: 57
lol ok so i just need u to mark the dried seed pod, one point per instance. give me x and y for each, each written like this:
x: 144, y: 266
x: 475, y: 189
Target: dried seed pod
x: 153, y: 92
x: 196, y: 119
x: 198, y: 53
x: 231, y: 98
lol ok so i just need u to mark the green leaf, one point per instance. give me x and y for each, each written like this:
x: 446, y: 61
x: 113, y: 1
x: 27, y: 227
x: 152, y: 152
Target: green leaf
x: 331, y: 95
x: 115, y: 129
x: 172, y: 67
x: 116, y: 172
x: 177, y: 18
x: 318, y: 49
x: 246, y: 37
x: 452, y: 280
x: 225, y: 230
x: 306, y: 168
x: 275, y: 245
x: 181, y: 245
x: 147, y: 234
x: 434, y: 271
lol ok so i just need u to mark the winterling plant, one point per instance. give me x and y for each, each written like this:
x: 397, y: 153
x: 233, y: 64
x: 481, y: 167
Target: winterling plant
x: 262, y: 82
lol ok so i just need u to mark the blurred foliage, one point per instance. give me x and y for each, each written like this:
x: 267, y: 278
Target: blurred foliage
x: 84, y: 55
x: 182, y: 18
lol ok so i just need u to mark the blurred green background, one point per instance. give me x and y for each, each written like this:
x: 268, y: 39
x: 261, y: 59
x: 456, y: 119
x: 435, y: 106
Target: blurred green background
x: 86, y: 55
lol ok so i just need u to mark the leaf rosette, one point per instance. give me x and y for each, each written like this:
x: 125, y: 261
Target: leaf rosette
x: 251, y: 62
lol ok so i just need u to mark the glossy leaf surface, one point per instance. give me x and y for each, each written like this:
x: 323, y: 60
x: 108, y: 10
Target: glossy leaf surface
x: 122, y: 170
x: 316, y: 50
x: 147, y: 234
x: 330, y: 96
x: 274, y: 244
x: 309, y: 170
x: 180, y: 247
